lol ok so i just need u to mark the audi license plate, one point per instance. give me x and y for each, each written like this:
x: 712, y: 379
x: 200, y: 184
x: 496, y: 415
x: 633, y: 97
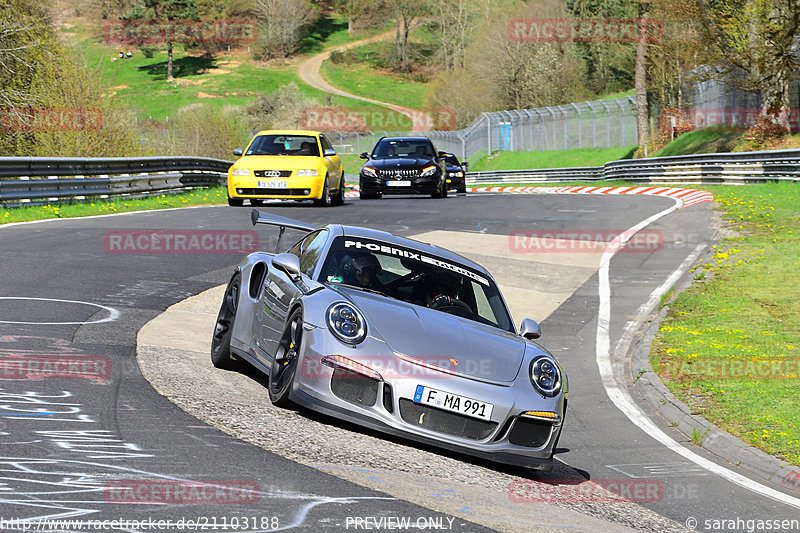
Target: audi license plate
x: 453, y: 402
x: 401, y: 183
x: 271, y: 184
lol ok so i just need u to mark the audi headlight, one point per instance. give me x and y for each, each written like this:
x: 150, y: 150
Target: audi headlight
x: 307, y: 172
x: 240, y: 172
x: 369, y: 172
x: 347, y: 323
x: 546, y: 376
x: 428, y: 171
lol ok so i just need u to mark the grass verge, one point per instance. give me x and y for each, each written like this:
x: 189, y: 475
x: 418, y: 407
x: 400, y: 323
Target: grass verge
x: 705, y: 141
x: 106, y: 206
x: 729, y: 346
x: 581, y: 157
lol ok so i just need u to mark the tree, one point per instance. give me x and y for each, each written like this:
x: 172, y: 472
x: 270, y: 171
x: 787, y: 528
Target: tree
x: 756, y: 40
x: 408, y: 15
x: 281, y: 24
x: 453, y: 21
x: 164, y: 10
x: 50, y: 105
x: 608, y: 66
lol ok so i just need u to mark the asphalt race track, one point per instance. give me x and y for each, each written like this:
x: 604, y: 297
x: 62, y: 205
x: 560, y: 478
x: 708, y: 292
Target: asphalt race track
x: 79, y: 422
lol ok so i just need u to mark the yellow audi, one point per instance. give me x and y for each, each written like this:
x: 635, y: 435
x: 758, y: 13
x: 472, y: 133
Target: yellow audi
x: 295, y: 164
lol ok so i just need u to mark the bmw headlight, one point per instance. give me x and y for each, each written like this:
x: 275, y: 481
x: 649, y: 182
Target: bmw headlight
x: 347, y: 323
x: 368, y: 171
x: 240, y: 172
x: 546, y: 376
x: 428, y: 171
x: 307, y: 172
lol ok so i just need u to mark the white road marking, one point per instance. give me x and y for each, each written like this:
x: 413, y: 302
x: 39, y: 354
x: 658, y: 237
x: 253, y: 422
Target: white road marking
x: 619, y: 394
x: 113, y: 314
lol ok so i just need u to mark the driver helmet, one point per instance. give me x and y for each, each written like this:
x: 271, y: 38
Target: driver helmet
x: 363, y: 264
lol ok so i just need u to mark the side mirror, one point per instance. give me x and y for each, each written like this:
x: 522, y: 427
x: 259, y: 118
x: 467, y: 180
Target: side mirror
x: 288, y: 263
x: 529, y: 328
x: 329, y: 152
x: 465, y: 165
x: 363, y: 155
x: 443, y: 154
x: 238, y: 151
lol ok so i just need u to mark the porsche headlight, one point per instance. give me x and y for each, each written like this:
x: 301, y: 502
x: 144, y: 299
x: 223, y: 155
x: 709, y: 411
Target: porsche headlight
x: 369, y: 171
x: 240, y: 172
x: 546, y: 376
x: 428, y: 171
x: 307, y: 172
x: 347, y: 323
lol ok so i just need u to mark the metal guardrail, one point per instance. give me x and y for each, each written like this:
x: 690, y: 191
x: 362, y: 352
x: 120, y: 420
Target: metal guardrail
x: 730, y: 168
x: 32, y: 179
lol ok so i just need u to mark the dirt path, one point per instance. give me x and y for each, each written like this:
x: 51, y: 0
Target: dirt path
x: 308, y: 71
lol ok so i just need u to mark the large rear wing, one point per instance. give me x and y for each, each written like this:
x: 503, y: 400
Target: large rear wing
x: 259, y: 217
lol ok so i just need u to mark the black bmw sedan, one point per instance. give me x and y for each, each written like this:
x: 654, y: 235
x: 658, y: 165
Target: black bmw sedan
x: 403, y: 165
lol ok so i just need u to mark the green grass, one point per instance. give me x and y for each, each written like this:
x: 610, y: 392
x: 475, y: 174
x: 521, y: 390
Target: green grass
x: 619, y: 94
x: 581, y: 157
x: 730, y: 345
x: 330, y: 31
x: 199, y: 196
x: 705, y: 141
x: 227, y: 80
x: 352, y: 163
x: 362, y: 80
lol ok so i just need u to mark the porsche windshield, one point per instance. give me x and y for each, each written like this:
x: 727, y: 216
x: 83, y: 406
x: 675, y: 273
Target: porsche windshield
x: 415, y: 277
x: 283, y: 145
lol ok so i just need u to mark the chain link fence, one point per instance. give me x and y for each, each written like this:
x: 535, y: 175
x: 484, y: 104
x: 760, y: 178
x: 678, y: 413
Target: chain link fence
x: 595, y: 124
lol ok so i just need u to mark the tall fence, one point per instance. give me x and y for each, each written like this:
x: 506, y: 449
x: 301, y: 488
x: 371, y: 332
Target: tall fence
x: 595, y: 124
x: 712, y: 98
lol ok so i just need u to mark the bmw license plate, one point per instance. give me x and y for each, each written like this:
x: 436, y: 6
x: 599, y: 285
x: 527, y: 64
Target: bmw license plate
x: 453, y: 402
x: 401, y: 183
x: 271, y: 184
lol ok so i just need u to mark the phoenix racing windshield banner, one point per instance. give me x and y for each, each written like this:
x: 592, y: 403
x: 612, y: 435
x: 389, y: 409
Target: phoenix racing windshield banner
x: 366, y: 245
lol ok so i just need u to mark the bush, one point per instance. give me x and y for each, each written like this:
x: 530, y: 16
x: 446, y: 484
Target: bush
x: 282, y: 109
x: 346, y: 57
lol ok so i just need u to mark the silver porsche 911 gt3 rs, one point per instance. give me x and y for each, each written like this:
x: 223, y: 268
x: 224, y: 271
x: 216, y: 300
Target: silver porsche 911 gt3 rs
x: 396, y: 335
